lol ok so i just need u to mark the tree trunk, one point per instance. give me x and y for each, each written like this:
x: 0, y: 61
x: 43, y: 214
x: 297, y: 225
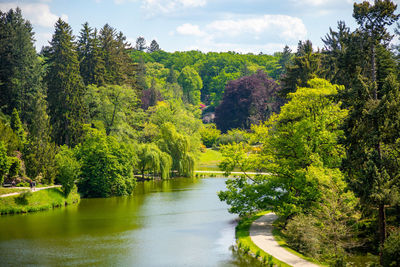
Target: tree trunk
x: 382, y: 228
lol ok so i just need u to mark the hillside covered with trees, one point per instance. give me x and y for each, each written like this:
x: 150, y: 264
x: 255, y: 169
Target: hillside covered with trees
x: 93, y: 112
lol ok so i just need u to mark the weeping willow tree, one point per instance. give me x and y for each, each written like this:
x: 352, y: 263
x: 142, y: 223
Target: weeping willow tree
x: 178, y: 146
x: 153, y: 160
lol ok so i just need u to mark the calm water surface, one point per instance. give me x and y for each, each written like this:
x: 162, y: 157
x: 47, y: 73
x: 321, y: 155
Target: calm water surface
x: 179, y: 222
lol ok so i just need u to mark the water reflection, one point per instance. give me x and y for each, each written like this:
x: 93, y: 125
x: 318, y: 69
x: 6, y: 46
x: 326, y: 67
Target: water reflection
x: 178, y: 222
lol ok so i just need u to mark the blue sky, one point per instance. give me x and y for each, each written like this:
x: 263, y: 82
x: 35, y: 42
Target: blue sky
x: 208, y: 25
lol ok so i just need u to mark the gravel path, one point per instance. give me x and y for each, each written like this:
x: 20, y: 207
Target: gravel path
x: 261, y: 235
x: 36, y: 189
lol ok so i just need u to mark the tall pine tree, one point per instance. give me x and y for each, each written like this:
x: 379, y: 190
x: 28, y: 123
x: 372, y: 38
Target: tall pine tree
x: 65, y: 87
x: 20, y: 68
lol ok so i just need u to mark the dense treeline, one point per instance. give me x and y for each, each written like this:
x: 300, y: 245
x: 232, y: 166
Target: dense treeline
x: 332, y: 151
x: 76, y: 113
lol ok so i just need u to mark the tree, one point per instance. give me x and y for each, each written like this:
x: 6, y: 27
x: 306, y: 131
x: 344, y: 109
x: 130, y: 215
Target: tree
x: 106, y: 166
x: 112, y: 105
x: 247, y: 100
x: 153, y: 47
x: 209, y: 134
x: 284, y: 60
x: 178, y: 147
x: 151, y: 96
x: 371, y: 138
x: 140, y: 44
x: 299, y: 148
x: 20, y: 68
x: 68, y: 169
x: 65, y: 87
x: 16, y: 125
x: 191, y: 84
x: 373, y: 20
x: 152, y: 159
x: 305, y: 66
x: 4, y: 162
x: 91, y: 62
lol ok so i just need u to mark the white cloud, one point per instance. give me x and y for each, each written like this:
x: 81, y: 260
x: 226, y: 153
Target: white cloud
x: 165, y: 6
x: 266, y: 33
x: 190, y: 29
x: 37, y: 13
x: 286, y: 27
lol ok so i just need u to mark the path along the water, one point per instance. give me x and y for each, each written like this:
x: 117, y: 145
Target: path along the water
x: 261, y: 235
x: 36, y: 189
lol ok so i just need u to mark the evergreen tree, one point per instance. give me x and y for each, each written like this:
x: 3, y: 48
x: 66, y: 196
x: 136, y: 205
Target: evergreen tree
x: 306, y: 65
x: 16, y: 125
x: 140, y: 44
x: 65, y: 87
x: 284, y: 60
x: 153, y: 47
x: 90, y: 57
x: 20, y: 70
x: 370, y: 143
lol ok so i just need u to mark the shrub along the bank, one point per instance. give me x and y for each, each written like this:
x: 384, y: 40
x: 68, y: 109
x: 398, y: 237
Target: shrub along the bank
x: 36, y: 201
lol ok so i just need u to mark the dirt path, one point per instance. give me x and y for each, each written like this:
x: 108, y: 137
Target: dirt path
x: 36, y: 189
x: 261, y: 235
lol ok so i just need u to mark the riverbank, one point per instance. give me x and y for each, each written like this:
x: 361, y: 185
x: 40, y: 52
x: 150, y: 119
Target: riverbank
x: 36, y: 201
x: 246, y: 245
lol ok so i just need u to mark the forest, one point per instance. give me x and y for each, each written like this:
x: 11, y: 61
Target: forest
x: 96, y: 114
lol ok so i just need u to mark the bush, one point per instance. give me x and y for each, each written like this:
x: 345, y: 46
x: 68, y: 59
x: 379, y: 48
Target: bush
x: 22, y: 199
x: 23, y: 184
x: 391, y: 250
x: 302, y: 235
x: 233, y: 136
x: 209, y: 134
x: 68, y: 169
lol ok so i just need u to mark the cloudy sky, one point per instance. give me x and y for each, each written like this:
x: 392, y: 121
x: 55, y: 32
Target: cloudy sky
x: 207, y: 25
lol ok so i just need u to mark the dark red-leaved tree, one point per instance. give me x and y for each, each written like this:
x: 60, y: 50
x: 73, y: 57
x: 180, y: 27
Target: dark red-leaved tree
x: 247, y: 100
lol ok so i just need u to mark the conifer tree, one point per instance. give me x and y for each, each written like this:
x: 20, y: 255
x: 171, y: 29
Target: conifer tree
x: 65, y: 87
x: 153, y: 47
x: 90, y: 58
x: 372, y: 128
x: 20, y: 70
x: 140, y: 44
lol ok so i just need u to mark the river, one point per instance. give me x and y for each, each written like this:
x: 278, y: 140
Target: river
x: 179, y: 222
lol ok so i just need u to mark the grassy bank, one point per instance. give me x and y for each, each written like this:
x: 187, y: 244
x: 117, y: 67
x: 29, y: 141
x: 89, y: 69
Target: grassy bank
x: 246, y: 245
x: 36, y: 201
x: 9, y: 190
x: 209, y: 160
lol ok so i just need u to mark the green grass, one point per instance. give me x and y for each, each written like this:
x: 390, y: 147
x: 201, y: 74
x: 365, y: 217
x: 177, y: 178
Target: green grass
x: 209, y: 160
x: 8, y: 190
x: 36, y: 201
x: 244, y: 241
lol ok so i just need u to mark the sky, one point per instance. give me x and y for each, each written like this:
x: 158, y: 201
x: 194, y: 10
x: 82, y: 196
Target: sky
x: 244, y: 26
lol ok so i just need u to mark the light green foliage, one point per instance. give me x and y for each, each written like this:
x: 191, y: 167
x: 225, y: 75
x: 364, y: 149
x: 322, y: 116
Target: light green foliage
x: 233, y: 136
x: 191, y: 84
x: 178, y: 146
x: 301, y: 139
x: 4, y: 162
x: 152, y: 159
x: 16, y: 125
x: 106, y: 166
x: 329, y: 230
x: 8, y: 136
x: 209, y: 134
x: 68, y: 169
x: 113, y: 106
